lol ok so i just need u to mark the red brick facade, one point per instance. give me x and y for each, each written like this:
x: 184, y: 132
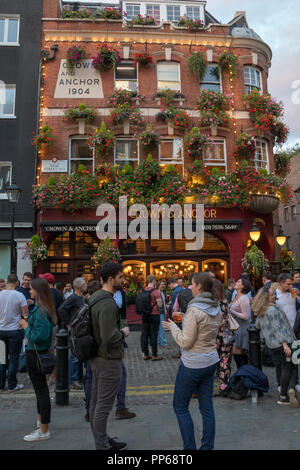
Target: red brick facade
x: 90, y: 33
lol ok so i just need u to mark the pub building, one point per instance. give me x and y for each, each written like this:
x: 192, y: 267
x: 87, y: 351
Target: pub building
x: 71, y: 237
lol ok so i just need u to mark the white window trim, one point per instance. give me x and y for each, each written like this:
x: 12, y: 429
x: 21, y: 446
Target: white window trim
x: 171, y: 162
x: 163, y: 8
x: 70, y: 160
x: 6, y: 18
x: 128, y: 79
x: 154, y: 5
x: 118, y: 139
x: 259, y: 141
x: 173, y: 5
x: 222, y: 163
x: 10, y: 116
x: 3, y: 196
x: 179, y: 74
x: 133, y: 4
x: 260, y: 78
x: 220, y: 73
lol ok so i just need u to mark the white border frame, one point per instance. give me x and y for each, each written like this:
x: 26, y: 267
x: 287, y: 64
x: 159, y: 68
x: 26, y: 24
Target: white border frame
x: 217, y: 139
x: 10, y: 116
x: 179, y: 74
x: 260, y: 140
x: 6, y: 18
x: 128, y: 80
x: 173, y: 162
x: 220, y: 73
x: 260, y: 77
x: 3, y: 196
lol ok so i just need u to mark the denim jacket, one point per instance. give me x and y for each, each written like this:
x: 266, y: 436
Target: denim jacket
x: 275, y: 327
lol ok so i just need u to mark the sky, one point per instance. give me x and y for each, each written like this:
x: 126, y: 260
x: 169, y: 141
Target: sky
x: 277, y: 23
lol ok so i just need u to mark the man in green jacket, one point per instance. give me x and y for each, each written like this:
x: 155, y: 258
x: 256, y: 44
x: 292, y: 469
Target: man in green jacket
x: 106, y: 366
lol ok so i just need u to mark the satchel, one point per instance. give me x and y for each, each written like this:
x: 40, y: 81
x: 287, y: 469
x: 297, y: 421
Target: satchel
x: 45, y: 362
x: 233, y: 324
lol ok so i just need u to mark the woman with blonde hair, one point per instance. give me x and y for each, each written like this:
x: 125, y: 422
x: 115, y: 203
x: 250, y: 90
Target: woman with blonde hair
x: 199, y: 360
x: 279, y: 336
x: 38, y: 331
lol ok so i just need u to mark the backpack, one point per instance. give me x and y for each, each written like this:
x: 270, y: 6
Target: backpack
x: 81, y: 340
x: 143, y: 303
x: 184, y: 297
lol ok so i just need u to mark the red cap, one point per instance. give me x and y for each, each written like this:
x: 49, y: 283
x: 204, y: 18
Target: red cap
x: 49, y: 277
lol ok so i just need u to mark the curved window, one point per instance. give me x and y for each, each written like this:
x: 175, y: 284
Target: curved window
x: 252, y: 79
x: 212, y: 79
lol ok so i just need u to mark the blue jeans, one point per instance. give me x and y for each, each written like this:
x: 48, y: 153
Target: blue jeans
x: 189, y: 381
x: 13, y: 342
x: 162, y: 339
x: 122, y: 389
x: 75, y: 369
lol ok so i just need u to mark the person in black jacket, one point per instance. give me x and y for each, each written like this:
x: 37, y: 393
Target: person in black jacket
x: 66, y: 311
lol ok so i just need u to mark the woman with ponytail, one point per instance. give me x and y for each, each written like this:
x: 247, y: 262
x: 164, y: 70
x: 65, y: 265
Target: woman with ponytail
x: 38, y: 331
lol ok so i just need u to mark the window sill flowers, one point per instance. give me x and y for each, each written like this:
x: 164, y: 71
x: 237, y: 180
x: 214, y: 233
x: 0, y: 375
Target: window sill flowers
x: 88, y: 113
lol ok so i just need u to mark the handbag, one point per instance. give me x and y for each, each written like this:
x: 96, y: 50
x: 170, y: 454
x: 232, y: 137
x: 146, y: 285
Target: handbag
x: 233, y: 324
x: 45, y: 361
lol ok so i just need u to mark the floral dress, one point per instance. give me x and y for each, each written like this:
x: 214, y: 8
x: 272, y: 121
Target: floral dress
x: 225, y: 340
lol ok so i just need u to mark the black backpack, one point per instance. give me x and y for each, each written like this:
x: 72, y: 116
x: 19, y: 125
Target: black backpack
x: 81, y: 340
x: 184, y: 297
x: 143, y: 304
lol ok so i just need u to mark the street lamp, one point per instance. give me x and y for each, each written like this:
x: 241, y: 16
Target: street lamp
x: 254, y: 232
x: 280, y: 237
x: 13, y: 193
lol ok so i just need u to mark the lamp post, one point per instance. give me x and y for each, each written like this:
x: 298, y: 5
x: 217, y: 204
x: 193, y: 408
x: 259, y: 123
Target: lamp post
x: 280, y: 237
x: 254, y: 232
x: 13, y: 193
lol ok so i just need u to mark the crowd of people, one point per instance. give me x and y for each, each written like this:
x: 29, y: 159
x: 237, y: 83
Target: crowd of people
x: 208, y: 323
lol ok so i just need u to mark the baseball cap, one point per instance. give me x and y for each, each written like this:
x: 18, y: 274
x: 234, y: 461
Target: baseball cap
x: 49, y: 277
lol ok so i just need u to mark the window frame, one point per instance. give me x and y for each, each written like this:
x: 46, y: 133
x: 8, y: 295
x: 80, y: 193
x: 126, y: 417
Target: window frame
x: 3, y: 195
x: 171, y: 161
x: 70, y: 159
x: 212, y: 165
x: 212, y: 83
x: 163, y: 62
x: 286, y: 214
x: 13, y: 115
x: 6, y: 19
x: 128, y: 79
x: 250, y: 85
x: 157, y: 5
x: 167, y: 14
x: 193, y: 16
x: 293, y: 212
x: 127, y: 160
x: 267, y: 167
x: 132, y: 5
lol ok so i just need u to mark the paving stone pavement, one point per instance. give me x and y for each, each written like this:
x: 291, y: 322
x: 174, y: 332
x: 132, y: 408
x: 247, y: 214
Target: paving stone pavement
x: 240, y: 425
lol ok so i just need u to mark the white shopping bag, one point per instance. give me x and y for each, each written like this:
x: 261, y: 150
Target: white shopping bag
x: 2, y: 352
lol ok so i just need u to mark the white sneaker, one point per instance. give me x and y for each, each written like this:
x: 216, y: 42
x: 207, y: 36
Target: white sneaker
x: 279, y: 389
x: 297, y: 388
x: 38, y: 424
x: 18, y: 387
x: 37, y: 435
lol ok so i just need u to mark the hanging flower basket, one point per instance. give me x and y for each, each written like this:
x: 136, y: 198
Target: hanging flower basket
x: 88, y: 113
x: 102, y: 140
x: 74, y: 55
x: 244, y: 148
x: 143, y: 59
x: 264, y: 203
x: 255, y: 262
x: 287, y: 259
x: 228, y: 62
x: 107, y: 251
x: 194, y: 142
x: 106, y: 58
x: 45, y: 136
x: 36, y: 250
x: 149, y: 139
x: 196, y: 64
